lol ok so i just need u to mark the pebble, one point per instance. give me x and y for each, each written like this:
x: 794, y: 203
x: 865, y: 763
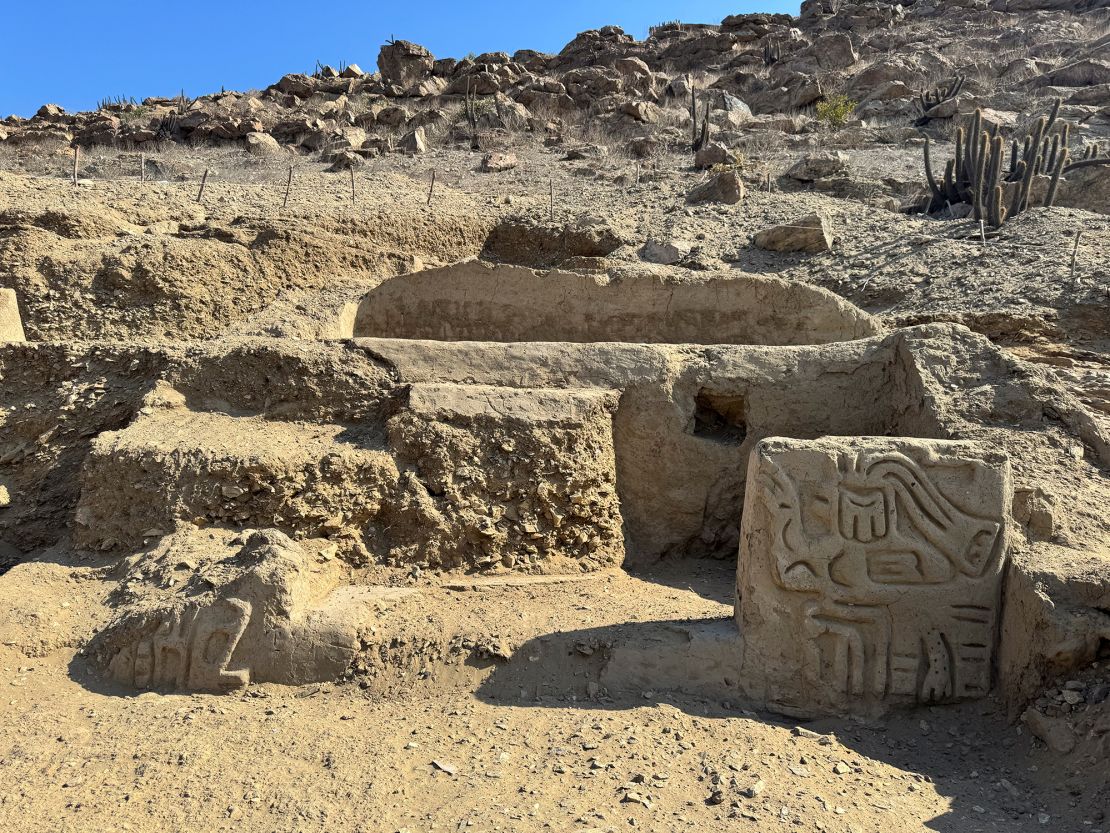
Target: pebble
x: 755, y: 789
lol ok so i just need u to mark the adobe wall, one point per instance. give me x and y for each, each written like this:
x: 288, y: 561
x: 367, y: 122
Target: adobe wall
x: 477, y: 301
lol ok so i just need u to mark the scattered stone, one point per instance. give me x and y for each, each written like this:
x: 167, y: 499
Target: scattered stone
x: 414, y: 143
x: 1056, y: 734
x: 724, y: 187
x: 1098, y: 693
x: 754, y: 789
x: 810, y: 234
x: 262, y: 144
x: 712, y: 154
x: 498, y: 162
x: 344, y: 160
x: 816, y: 166
x: 655, y: 251
x: 444, y: 766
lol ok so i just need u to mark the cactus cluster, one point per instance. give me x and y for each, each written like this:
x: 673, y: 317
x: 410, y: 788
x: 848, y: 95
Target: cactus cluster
x: 772, y: 52
x: 979, y: 176
x: 1092, y: 155
x: 699, y: 129
x: 928, y: 99
x: 470, y: 109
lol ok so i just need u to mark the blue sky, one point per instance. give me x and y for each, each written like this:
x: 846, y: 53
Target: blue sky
x: 75, y: 53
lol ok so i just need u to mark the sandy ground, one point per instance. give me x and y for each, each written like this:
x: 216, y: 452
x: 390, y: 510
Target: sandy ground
x: 78, y: 756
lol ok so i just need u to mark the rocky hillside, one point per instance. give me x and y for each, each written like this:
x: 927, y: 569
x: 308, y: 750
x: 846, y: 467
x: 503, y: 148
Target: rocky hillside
x: 858, y: 66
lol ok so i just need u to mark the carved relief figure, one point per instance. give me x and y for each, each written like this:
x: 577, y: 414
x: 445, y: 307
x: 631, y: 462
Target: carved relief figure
x: 187, y: 649
x: 880, y: 559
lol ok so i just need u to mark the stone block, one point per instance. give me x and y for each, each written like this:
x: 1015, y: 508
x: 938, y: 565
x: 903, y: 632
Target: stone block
x: 11, y: 327
x: 870, y: 572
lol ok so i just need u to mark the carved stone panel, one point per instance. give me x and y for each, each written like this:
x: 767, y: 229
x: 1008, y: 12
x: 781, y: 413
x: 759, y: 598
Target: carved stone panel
x: 187, y: 650
x: 870, y: 572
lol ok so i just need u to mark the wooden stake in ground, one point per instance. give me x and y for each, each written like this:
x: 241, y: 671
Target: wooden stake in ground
x: 142, y: 168
x: 1074, y: 252
x: 203, y: 180
x: 288, y: 185
x: 76, y: 161
x: 983, y: 233
x: 432, y: 187
x: 352, y: 185
x: 551, y: 198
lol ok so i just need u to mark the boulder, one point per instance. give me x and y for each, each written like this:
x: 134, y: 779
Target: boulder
x: 404, y: 64
x: 724, y: 187
x: 947, y: 109
x: 1087, y: 188
x: 881, y: 73
x: 352, y: 71
x: 712, y: 154
x: 1055, y: 733
x: 415, y: 142
x: 728, y: 103
x: 665, y: 253
x: 296, y: 84
x: 49, y: 112
x: 1098, y: 95
x: 642, y: 111
x: 633, y: 69
x: 497, y: 162
x: 891, y: 91
x: 834, y: 51
x: 821, y: 165
x: 344, y: 160
x: 810, y: 234
x: 1085, y: 73
x: 591, y: 83
x: 262, y: 144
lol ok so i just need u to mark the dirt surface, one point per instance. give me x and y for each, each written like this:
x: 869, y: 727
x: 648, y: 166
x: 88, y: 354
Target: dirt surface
x: 492, y: 511
x: 514, y: 756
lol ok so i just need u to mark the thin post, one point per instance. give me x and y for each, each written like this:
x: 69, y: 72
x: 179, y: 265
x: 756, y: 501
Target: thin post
x: 551, y: 198
x: 432, y: 187
x: 1074, y: 252
x: 983, y: 233
x: 352, y: 185
x: 76, y: 162
x: 288, y: 185
x: 203, y: 180
x: 142, y: 168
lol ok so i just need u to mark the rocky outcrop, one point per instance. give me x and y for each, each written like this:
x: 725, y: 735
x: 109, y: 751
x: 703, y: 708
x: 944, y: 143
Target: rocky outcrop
x: 404, y: 64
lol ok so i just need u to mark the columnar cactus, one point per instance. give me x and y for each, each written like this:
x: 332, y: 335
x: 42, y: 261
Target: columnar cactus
x: 976, y: 175
x: 928, y: 99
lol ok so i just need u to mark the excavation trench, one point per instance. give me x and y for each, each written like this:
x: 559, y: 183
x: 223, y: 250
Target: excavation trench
x: 475, y: 435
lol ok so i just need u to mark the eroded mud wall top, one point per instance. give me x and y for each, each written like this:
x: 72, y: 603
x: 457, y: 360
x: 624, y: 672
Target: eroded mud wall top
x: 476, y: 301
